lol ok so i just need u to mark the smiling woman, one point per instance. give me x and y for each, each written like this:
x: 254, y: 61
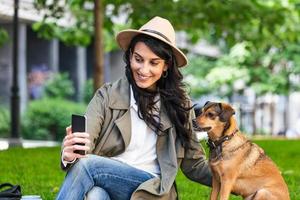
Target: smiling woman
x: 139, y: 129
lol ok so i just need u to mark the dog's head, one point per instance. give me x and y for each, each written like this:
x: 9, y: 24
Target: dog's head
x: 215, y: 119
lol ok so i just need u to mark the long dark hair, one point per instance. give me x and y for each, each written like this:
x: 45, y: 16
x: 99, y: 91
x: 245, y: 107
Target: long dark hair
x: 172, y: 95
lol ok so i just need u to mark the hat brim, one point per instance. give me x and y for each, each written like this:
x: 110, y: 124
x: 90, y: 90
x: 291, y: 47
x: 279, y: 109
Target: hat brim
x: 124, y: 38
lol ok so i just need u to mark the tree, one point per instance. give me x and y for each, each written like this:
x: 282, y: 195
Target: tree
x: 263, y: 23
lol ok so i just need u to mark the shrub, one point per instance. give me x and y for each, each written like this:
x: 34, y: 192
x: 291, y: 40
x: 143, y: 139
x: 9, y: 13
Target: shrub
x: 59, y: 86
x: 47, y: 118
x: 4, y: 122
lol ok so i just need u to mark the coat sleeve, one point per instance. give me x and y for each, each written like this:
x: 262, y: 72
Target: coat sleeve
x: 95, y: 113
x: 194, y: 165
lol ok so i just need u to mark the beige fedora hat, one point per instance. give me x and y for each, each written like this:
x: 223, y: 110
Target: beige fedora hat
x: 158, y: 28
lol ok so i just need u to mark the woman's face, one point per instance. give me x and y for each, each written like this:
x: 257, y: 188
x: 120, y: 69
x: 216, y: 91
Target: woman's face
x: 147, y: 67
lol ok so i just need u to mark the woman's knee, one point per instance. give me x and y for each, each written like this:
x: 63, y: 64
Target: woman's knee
x: 84, y: 164
x: 97, y: 193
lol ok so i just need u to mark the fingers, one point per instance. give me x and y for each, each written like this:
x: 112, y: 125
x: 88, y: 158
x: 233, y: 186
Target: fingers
x: 76, y: 135
x: 71, y: 149
x: 81, y: 134
x: 68, y: 152
x: 68, y: 130
x: 75, y: 140
x: 69, y: 155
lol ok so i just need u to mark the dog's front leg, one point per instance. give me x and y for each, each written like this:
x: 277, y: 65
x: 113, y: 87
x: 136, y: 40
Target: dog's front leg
x: 226, y: 186
x: 215, y: 189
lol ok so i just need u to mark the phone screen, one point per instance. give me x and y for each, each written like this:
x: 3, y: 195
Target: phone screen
x: 79, y: 125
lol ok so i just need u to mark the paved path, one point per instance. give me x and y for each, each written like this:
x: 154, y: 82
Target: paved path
x: 4, y: 143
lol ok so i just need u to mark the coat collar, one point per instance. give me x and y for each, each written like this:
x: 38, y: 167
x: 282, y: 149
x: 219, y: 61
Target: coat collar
x: 120, y: 94
x: 120, y: 99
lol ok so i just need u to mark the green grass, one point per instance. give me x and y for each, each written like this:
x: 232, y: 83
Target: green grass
x: 38, y: 170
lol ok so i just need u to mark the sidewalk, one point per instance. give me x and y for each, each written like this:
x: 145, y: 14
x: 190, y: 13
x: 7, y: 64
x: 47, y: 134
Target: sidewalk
x: 4, y: 143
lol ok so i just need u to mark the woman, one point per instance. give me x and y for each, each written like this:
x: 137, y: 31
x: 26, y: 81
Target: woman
x: 139, y: 129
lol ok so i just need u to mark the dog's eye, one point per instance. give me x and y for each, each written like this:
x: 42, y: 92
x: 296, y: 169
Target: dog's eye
x: 210, y: 115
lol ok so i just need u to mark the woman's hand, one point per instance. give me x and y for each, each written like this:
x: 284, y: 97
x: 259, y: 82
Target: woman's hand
x: 70, y: 144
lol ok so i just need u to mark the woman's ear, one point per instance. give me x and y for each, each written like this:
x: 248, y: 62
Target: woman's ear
x: 165, y: 68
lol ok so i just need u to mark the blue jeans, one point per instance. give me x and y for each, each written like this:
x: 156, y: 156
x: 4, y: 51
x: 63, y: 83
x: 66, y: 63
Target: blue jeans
x: 114, y: 180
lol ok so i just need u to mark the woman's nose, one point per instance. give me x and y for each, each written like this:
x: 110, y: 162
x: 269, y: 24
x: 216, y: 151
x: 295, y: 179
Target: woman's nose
x: 145, y: 68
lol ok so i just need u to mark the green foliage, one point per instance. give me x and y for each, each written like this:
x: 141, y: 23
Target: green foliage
x: 81, y: 30
x: 46, y: 119
x: 45, y: 30
x: 109, y: 36
x: 4, y: 122
x: 75, y: 32
x: 222, y: 76
x: 3, y: 36
x: 273, y: 71
x: 264, y: 23
x: 59, y: 86
x: 88, y: 91
x: 194, y: 75
x: 70, y: 36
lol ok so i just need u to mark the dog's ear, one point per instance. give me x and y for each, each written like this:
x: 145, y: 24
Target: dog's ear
x: 226, y: 112
x: 206, y: 103
x: 198, y: 110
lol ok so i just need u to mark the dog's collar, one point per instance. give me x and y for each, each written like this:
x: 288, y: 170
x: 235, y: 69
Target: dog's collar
x: 215, y: 147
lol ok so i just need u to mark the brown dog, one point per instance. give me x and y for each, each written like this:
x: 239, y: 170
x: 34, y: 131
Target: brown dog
x: 237, y: 165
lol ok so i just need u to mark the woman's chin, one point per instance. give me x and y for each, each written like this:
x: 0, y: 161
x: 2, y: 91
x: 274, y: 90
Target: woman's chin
x: 145, y: 86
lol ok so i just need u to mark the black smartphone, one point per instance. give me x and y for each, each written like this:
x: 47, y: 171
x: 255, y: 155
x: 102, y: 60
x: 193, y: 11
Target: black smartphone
x: 79, y: 125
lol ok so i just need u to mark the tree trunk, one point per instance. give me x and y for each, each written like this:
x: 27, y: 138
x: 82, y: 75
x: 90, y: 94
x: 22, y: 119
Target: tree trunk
x: 98, y: 45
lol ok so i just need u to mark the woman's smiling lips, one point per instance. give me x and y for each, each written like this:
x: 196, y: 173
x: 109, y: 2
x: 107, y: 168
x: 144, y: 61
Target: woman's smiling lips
x: 142, y: 77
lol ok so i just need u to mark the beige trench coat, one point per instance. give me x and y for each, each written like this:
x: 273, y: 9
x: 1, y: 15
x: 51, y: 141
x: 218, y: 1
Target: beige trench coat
x: 109, y: 126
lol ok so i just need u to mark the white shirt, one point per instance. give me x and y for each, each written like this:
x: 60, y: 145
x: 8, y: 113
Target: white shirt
x: 141, y: 151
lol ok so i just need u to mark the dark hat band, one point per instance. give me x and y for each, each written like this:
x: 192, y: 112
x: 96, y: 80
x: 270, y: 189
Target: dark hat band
x: 157, y: 33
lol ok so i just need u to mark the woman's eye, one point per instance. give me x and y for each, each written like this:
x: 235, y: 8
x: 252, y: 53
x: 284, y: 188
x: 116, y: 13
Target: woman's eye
x: 138, y: 59
x: 154, y: 63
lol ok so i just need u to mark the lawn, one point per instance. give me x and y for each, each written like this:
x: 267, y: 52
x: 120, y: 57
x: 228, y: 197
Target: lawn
x: 38, y: 172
